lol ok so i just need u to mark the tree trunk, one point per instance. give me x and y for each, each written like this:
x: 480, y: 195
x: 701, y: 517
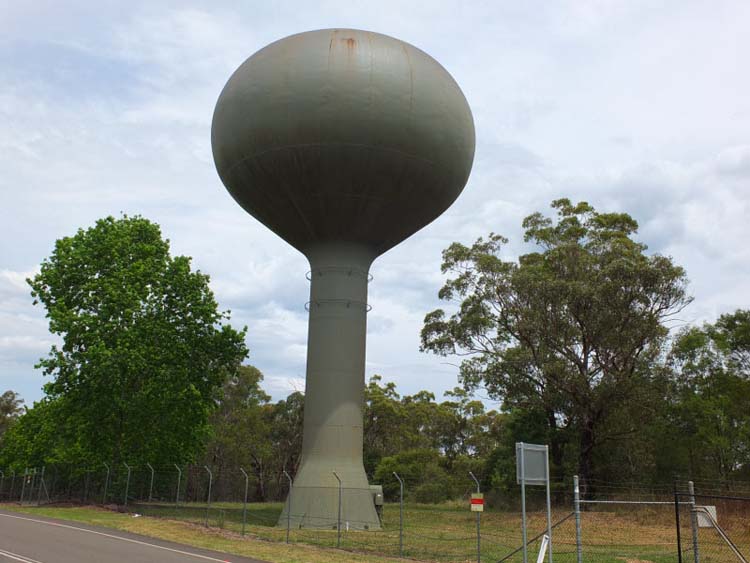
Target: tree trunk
x: 585, y: 457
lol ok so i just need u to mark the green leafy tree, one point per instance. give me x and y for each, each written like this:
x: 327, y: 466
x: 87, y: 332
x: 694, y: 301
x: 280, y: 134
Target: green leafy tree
x: 144, y: 347
x: 569, y: 330
x: 38, y: 437
x: 241, y: 428
x: 287, y: 419
x: 712, y: 396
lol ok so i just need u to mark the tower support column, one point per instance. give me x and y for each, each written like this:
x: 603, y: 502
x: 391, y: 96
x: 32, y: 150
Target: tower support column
x: 334, y: 394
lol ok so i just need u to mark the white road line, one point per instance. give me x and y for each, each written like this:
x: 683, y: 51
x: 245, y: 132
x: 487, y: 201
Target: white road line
x: 155, y: 546
x: 17, y: 557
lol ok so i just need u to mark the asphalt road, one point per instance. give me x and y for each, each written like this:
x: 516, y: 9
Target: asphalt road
x: 33, y: 539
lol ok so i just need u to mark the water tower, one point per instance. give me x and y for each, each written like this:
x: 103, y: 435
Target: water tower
x: 344, y: 143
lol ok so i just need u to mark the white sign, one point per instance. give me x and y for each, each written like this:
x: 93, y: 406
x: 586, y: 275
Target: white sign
x: 534, y: 459
x: 703, y: 520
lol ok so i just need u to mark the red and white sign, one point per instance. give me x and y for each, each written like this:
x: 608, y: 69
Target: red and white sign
x: 477, y: 502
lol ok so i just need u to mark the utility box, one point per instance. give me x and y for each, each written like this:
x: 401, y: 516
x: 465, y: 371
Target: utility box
x: 377, y: 499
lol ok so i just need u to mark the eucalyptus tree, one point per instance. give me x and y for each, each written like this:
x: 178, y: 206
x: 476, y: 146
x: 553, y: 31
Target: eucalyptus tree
x: 569, y: 329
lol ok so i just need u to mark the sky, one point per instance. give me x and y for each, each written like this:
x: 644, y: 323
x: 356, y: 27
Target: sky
x: 634, y: 106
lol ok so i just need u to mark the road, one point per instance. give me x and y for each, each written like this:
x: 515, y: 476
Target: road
x: 32, y: 539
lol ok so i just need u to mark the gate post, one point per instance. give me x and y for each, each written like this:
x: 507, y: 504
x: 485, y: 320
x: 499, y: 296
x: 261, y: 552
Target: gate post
x: 694, y: 521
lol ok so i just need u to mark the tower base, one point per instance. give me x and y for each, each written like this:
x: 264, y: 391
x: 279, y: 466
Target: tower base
x: 313, y: 501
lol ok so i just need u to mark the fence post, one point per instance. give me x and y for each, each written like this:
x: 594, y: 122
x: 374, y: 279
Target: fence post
x: 41, y: 483
x: 127, y: 482
x: 694, y: 521
x: 677, y: 522
x: 400, y: 515
x: 86, y: 481
x: 12, y: 484
x: 179, y: 478
x: 2, y: 478
x: 479, y: 525
x: 151, y: 485
x: 23, y: 484
x: 289, y: 506
x: 244, y: 504
x: 106, y: 485
x: 338, y: 520
x: 208, y: 502
x: 577, y: 510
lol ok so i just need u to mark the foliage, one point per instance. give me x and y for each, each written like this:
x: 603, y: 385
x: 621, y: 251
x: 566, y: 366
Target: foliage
x: 249, y: 431
x: 456, y: 427
x: 571, y: 329
x: 10, y: 410
x: 712, y: 395
x: 144, y: 345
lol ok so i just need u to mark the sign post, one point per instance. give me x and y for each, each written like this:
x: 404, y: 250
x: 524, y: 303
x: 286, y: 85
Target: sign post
x: 532, y: 468
x: 477, y: 505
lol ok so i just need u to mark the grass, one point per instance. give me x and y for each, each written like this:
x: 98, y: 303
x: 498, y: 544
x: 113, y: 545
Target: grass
x: 445, y: 532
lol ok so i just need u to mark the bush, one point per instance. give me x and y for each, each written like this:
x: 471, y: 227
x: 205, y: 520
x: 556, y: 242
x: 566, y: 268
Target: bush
x: 430, y: 493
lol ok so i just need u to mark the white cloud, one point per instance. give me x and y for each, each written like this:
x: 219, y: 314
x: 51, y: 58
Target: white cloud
x: 631, y: 106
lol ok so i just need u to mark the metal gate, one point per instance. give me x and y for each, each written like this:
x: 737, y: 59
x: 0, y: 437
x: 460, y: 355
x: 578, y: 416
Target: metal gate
x: 712, y: 528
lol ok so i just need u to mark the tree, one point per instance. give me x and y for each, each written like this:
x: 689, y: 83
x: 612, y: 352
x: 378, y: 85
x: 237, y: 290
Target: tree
x: 570, y: 329
x: 39, y: 437
x: 10, y: 410
x: 145, y: 348
x: 241, y: 427
x: 287, y: 419
x: 712, y: 395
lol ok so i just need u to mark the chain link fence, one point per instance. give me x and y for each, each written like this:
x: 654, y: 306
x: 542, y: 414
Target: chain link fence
x: 712, y: 527
x: 612, y: 524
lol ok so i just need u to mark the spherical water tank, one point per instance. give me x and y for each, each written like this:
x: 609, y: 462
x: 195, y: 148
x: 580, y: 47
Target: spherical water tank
x: 343, y: 135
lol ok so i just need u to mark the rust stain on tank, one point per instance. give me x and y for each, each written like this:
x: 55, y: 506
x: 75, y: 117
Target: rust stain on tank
x: 339, y: 44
